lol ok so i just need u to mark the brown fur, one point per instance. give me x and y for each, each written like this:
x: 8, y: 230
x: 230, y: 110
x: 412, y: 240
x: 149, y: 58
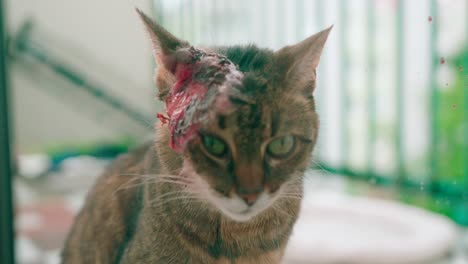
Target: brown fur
x: 136, y: 215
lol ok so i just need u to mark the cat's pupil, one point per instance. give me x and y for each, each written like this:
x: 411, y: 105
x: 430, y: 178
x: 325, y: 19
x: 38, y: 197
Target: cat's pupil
x: 282, y: 142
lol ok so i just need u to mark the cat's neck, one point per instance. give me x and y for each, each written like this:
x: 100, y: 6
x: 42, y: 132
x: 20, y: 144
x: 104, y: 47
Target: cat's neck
x: 209, y: 234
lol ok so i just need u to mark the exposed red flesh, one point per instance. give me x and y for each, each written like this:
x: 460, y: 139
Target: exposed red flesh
x: 187, y: 104
x: 176, y: 105
x: 164, y: 119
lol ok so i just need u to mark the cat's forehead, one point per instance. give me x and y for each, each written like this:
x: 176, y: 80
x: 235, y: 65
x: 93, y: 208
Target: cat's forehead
x: 262, y: 73
x: 245, y: 80
x: 204, y: 65
x: 211, y: 87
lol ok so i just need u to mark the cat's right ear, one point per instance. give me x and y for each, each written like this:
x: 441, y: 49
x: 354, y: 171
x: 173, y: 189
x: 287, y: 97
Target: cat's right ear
x: 164, y: 44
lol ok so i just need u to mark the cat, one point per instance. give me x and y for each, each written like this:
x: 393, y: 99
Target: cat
x: 223, y: 180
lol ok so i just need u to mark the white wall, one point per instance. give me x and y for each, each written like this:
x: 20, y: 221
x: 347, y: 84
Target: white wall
x: 102, y: 39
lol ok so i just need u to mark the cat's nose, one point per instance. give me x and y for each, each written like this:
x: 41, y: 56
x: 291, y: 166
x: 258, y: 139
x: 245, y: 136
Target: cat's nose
x: 250, y: 196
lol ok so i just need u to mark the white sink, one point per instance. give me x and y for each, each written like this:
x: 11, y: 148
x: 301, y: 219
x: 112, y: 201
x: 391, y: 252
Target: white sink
x: 341, y: 229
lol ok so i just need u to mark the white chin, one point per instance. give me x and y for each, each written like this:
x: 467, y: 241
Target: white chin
x: 239, y: 217
x: 234, y: 208
x: 237, y: 210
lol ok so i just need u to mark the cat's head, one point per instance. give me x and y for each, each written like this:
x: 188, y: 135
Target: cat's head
x: 242, y: 117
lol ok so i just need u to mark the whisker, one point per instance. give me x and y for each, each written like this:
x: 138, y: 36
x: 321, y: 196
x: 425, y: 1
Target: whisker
x: 172, y: 181
x: 152, y: 175
x: 156, y: 177
x: 296, y: 194
x: 282, y: 211
x: 290, y: 197
x: 172, y: 193
x: 320, y: 167
x: 292, y: 192
x: 165, y: 201
x: 132, y: 174
x: 147, y: 180
x: 128, y: 185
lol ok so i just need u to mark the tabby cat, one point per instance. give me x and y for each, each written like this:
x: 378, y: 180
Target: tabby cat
x: 222, y: 181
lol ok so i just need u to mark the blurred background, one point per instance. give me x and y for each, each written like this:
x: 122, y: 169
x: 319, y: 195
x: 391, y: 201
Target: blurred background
x: 392, y: 94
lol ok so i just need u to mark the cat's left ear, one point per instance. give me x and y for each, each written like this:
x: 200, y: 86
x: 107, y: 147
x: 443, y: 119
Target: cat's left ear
x: 299, y: 61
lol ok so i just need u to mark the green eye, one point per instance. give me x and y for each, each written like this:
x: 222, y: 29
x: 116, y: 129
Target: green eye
x: 214, y: 146
x: 280, y: 147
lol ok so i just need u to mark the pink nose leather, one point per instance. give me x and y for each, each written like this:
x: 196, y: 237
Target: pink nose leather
x: 250, y: 197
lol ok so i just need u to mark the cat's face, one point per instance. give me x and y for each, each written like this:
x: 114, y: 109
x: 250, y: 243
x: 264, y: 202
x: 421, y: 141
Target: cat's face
x: 257, y: 153
x: 243, y: 159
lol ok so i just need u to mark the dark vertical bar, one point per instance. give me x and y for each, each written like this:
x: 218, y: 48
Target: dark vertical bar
x: 400, y: 69
x: 7, y: 253
x: 344, y: 66
x: 434, y: 116
x: 371, y: 95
